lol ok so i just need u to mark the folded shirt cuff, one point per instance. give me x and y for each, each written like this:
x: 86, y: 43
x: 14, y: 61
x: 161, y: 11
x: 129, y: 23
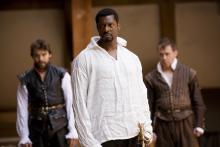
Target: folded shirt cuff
x: 24, y: 140
x: 200, y: 130
x: 149, y: 136
x: 72, y: 135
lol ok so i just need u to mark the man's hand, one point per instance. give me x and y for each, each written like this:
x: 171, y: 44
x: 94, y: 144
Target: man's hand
x: 72, y: 142
x: 26, y: 145
x: 154, y: 137
x: 147, y: 141
x: 198, y: 132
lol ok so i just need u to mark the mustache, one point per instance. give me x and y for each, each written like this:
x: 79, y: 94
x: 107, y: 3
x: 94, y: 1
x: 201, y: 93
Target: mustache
x: 41, y: 62
x: 38, y: 65
x: 106, y: 33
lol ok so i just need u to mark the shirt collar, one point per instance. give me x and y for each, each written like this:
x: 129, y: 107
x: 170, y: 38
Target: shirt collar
x: 173, y: 65
x: 120, y: 41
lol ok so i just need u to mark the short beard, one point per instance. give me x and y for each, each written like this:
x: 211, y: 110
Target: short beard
x: 106, y: 39
x: 41, y: 68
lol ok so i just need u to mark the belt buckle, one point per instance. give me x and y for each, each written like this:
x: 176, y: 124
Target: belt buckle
x: 53, y: 107
x: 177, y: 110
x: 47, y: 108
x: 174, y: 111
x: 44, y: 110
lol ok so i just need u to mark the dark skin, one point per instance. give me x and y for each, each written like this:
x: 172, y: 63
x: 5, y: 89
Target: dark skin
x: 108, y: 29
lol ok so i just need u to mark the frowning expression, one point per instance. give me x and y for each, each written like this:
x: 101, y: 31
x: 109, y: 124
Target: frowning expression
x: 108, y: 28
x: 167, y: 56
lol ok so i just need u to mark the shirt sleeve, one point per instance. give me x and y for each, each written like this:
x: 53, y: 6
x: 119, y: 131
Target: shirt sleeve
x: 22, y: 114
x: 197, y: 101
x: 147, y: 125
x: 68, y: 96
x: 150, y: 95
x: 80, y: 87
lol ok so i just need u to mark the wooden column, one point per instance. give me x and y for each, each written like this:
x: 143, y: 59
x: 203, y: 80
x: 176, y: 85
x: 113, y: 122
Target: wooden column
x: 81, y: 24
x: 167, y: 19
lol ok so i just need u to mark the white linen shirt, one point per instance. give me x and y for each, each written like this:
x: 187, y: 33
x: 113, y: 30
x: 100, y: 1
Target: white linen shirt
x: 22, y: 110
x: 110, y: 95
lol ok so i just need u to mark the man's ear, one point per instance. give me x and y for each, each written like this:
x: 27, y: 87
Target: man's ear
x: 176, y: 53
x: 119, y: 26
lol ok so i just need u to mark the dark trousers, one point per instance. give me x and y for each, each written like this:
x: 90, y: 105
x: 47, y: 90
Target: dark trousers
x: 132, y: 142
x: 175, y: 133
x: 47, y: 138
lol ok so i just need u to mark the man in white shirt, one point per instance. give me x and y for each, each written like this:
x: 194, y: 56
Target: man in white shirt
x: 44, y: 103
x: 110, y: 98
x: 175, y: 99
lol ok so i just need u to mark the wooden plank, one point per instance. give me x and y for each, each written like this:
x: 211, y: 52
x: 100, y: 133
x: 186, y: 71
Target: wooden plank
x: 189, y: 1
x: 81, y: 24
x: 138, y: 2
x: 121, y: 2
x: 167, y: 19
x: 31, y: 4
x: 45, y: 4
x: 69, y: 29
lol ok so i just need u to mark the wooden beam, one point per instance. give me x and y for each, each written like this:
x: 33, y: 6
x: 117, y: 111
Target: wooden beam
x: 81, y: 24
x: 121, y: 2
x: 138, y: 2
x: 69, y: 29
x: 167, y: 19
x: 45, y: 4
x: 167, y: 16
x: 189, y: 1
x: 31, y: 4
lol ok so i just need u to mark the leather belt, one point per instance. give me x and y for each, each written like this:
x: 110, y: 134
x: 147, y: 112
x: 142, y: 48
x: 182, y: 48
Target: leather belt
x: 174, y: 110
x: 47, y: 108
